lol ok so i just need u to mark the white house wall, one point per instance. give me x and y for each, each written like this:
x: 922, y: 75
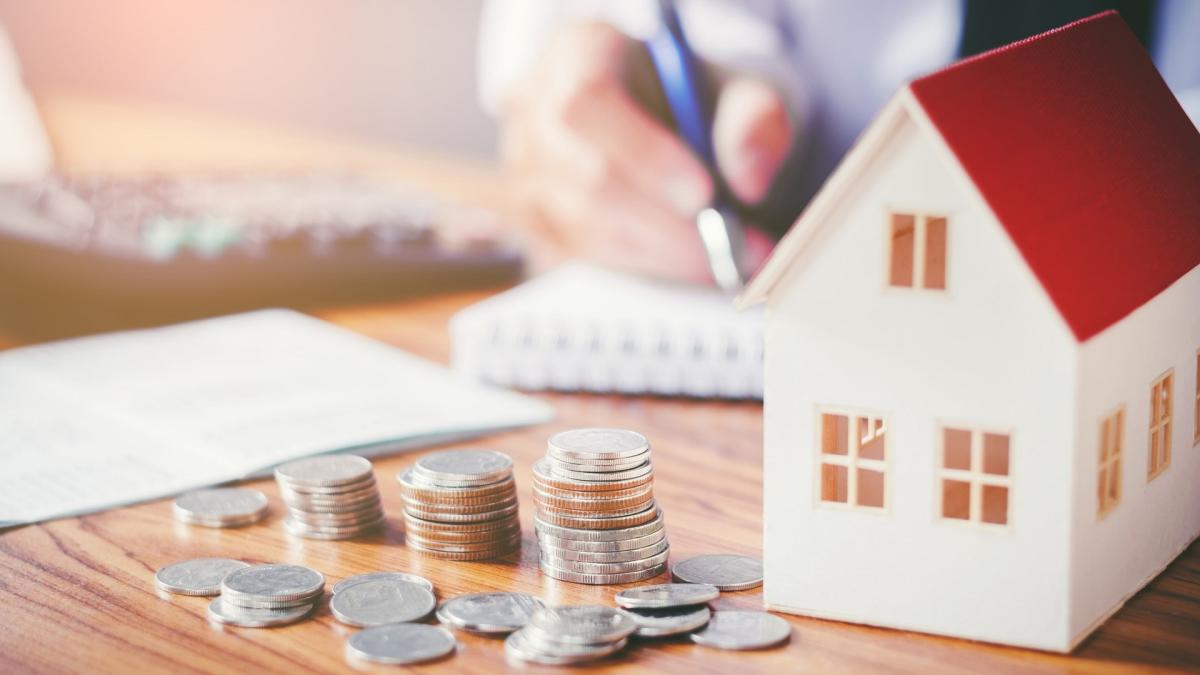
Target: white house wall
x: 990, y: 352
x: 1116, y: 555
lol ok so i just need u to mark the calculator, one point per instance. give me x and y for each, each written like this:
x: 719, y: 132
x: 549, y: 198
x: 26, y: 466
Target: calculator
x: 82, y: 254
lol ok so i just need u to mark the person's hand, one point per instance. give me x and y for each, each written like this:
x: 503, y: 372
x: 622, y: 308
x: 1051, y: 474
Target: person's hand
x: 600, y: 178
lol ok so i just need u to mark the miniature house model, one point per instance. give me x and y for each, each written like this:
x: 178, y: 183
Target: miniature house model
x: 982, y: 416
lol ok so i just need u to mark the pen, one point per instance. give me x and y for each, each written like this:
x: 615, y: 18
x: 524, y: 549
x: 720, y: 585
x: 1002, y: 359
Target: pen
x: 718, y: 226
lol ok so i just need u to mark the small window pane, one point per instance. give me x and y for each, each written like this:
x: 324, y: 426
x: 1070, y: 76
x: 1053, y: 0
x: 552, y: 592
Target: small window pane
x: 1105, y: 438
x: 995, y: 504
x: 935, y: 253
x: 874, y: 448
x: 835, y: 434
x: 903, y: 241
x: 1102, y: 487
x: 995, y: 454
x: 870, y: 488
x: 957, y: 449
x: 834, y: 485
x: 956, y: 499
x: 1114, y: 481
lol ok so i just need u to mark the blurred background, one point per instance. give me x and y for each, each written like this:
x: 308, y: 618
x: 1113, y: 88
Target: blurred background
x: 398, y: 71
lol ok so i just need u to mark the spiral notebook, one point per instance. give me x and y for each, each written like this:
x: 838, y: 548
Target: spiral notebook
x: 583, y: 328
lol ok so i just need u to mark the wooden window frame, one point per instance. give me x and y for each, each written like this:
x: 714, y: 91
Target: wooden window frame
x: 974, y: 477
x: 1158, y: 449
x: 851, y: 461
x: 1196, y: 411
x: 1111, y: 452
x: 920, y: 249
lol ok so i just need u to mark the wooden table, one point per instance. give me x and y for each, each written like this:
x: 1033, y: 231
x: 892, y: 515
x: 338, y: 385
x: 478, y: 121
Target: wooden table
x: 77, y: 595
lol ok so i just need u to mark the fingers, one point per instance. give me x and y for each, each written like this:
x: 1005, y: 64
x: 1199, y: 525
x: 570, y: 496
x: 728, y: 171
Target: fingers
x: 647, y: 155
x: 752, y: 135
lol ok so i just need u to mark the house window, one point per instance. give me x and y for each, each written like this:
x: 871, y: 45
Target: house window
x: 1112, y: 443
x: 918, y: 251
x: 974, y: 476
x: 853, y: 459
x: 1196, y: 412
x: 1161, y: 395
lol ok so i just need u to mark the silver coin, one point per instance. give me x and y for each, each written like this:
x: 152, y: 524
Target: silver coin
x: 600, y: 579
x: 559, y: 471
x: 601, y: 546
x: 664, y: 621
x: 594, y: 460
x: 667, y: 595
x: 324, y: 470
x: 608, y: 557
x: 325, y: 491
x: 523, y: 647
x: 599, y: 443
x: 582, y: 534
x: 199, y: 576
x: 727, y: 572
x: 489, y: 612
x: 592, y: 467
x: 457, y: 466
x: 401, y: 643
x: 583, y: 624
x: 329, y: 534
x: 221, y: 611
x: 273, y: 583
x: 729, y: 629
x: 374, y: 603
x: 375, y: 576
x: 221, y: 506
x: 579, y: 567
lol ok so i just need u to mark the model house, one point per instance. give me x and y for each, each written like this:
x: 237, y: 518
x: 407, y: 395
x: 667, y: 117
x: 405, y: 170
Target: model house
x: 982, y: 416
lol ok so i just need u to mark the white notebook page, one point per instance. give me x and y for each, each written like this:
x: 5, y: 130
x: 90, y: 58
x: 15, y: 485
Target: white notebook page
x: 94, y: 422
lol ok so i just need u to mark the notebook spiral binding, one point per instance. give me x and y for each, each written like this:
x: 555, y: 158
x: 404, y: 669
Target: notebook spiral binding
x: 689, y: 359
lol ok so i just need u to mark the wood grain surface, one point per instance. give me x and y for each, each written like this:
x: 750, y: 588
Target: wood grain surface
x: 77, y: 595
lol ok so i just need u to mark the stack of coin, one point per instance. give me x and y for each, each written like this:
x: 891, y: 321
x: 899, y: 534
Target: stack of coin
x: 330, y: 496
x: 665, y: 610
x: 461, y: 505
x: 568, y: 635
x: 597, y: 522
x: 220, y: 507
x: 267, y: 595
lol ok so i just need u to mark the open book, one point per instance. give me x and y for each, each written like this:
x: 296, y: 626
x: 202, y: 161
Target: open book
x: 95, y: 422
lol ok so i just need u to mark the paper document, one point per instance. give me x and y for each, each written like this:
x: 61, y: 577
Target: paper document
x: 96, y: 422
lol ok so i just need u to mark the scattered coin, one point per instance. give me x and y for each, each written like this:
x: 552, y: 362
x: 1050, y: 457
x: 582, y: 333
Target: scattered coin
x: 583, y: 624
x: 374, y: 576
x: 667, y: 595
x: 522, y: 646
x: 330, y: 497
x: 725, y: 571
x: 489, y: 612
x: 221, y: 611
x: 729, y: 629
x: 382, y: 601
x: 401, y: 643
x: 597, y: 521
x: 665, y: 621
x: 272, y: 586
x: 220, y: 507
x: 461, y: 505
x: 199, y: 576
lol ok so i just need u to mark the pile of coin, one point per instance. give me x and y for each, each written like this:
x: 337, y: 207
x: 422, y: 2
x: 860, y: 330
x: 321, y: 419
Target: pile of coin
x: 259, y: 596
x: 597, y: 522
x: 220, y: 507
x: 330, y: 496
x: 571, y: 634
x: 461, y: 505
x: 664, y: 610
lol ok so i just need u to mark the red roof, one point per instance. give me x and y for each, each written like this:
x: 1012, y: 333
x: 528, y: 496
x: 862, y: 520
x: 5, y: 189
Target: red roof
x: 1085, y: 157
